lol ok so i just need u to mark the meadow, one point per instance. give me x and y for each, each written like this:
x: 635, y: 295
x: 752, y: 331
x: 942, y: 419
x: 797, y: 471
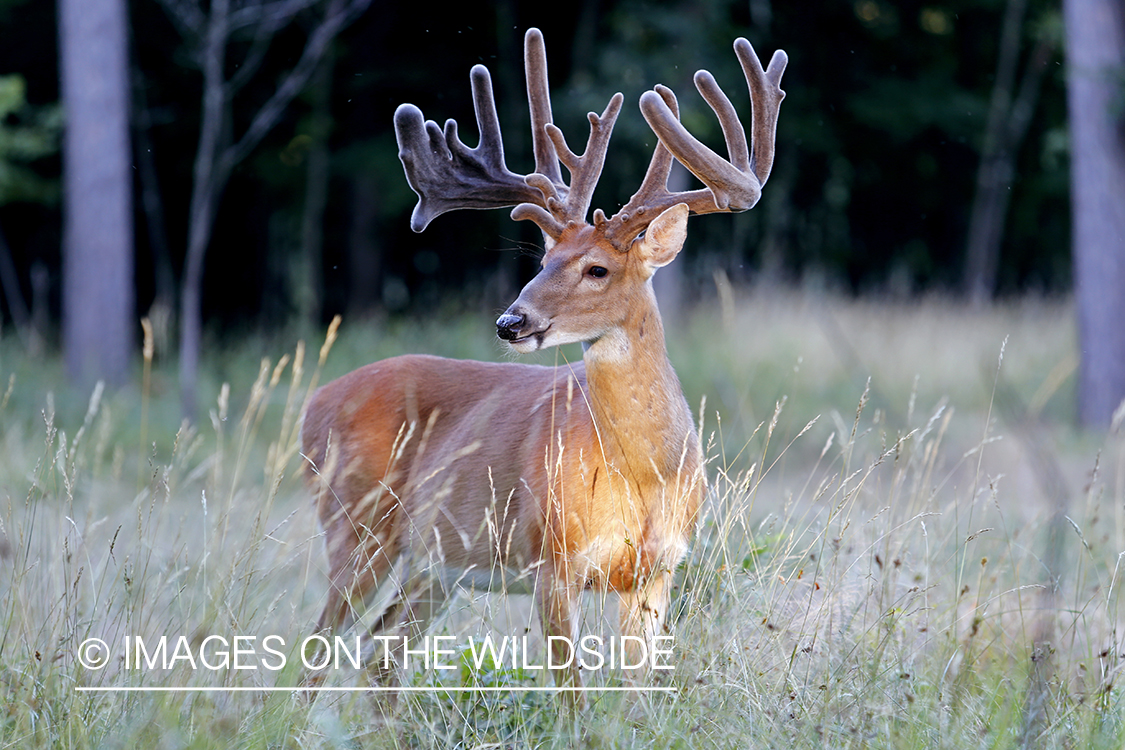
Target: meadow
x: 906, y: 543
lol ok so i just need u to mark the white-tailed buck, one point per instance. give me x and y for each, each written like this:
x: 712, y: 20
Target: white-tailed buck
x: 433, y: 472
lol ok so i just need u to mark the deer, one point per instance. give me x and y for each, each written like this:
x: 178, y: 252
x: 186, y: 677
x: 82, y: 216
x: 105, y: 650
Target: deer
x: 432, y: 473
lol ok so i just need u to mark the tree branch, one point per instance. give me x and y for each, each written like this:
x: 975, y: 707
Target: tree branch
x: 267, y: 20
x: 1023, y: 107
x: 188, y: 17
x: 336, y: 17
x: 272, y: 14
x: 252, y: 61
x: 10, y: 284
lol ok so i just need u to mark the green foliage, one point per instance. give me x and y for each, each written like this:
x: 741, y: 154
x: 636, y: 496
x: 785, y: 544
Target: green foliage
x: 26, y: 134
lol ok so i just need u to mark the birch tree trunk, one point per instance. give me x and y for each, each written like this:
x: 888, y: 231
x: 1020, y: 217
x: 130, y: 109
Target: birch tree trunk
x: 1095, y: 36
x: 97, y: 268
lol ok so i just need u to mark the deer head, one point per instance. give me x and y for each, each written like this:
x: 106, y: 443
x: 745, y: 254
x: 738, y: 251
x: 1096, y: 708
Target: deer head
x: 586, y: 259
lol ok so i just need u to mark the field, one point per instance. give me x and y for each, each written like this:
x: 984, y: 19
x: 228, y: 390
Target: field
x: 906, y: 544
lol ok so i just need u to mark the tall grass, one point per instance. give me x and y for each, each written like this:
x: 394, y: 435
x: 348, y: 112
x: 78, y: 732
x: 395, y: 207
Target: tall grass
x: 904, y: 545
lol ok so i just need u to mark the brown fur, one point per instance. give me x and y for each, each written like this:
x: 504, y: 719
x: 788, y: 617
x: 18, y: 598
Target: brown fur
x: 570, y: 477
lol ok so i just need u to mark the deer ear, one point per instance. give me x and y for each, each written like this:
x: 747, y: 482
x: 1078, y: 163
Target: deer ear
x: 665, y: 236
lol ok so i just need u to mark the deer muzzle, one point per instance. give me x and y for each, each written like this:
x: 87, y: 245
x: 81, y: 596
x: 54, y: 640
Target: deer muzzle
x: 524, y: 331
x: 509, y: 326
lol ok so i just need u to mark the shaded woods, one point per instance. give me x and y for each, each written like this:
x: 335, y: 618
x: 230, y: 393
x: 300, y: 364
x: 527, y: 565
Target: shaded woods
x: 923, y: 147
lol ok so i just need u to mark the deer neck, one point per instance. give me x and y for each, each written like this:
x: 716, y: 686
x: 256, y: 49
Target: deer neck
x: 635, y: 397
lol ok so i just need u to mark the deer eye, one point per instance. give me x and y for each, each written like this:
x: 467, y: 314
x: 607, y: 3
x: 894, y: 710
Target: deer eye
x: 598, y: 272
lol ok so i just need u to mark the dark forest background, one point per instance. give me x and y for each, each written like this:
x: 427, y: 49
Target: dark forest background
x: 879, y: 143
x: 922, y: 147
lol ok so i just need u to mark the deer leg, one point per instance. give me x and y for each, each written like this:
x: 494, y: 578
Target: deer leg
x: 557, y: 601
x: 356, y: 572
x: 358, y: 566
x: 404, y: 622
x: 644, y: 613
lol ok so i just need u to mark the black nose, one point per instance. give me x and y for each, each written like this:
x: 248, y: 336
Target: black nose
x: 508, y: 326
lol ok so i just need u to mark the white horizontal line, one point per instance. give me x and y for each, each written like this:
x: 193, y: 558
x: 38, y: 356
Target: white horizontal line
x: 404, y: 689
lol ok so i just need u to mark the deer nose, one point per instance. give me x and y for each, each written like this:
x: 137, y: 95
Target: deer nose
x: 508, y: 326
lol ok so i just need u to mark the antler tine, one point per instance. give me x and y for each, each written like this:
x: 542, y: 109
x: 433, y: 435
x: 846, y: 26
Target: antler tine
x: 563, y: 204
x: 733, y: 132
x: 735, y: 185
x: 445, y: 173
x: 539, y: 102
x: 765, y: 97
x: 660, y: 168
x: 547, y: 178
x: 585, y: 170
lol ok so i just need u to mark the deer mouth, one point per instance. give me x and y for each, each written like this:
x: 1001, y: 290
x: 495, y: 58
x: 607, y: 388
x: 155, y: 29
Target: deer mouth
x: 535, y: 337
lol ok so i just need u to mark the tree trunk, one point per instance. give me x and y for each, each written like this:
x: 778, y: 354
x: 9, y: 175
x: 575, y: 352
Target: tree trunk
x: 164, y: 278
x: 1095, y: 36
x: 1008, y: 119
x: 219, y: 153
x: 10, y: 286
x: 997, y: 162
x: 98, y: 202
x: 308, y: 284
x: 206, y: 184
x: 365, y: 260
